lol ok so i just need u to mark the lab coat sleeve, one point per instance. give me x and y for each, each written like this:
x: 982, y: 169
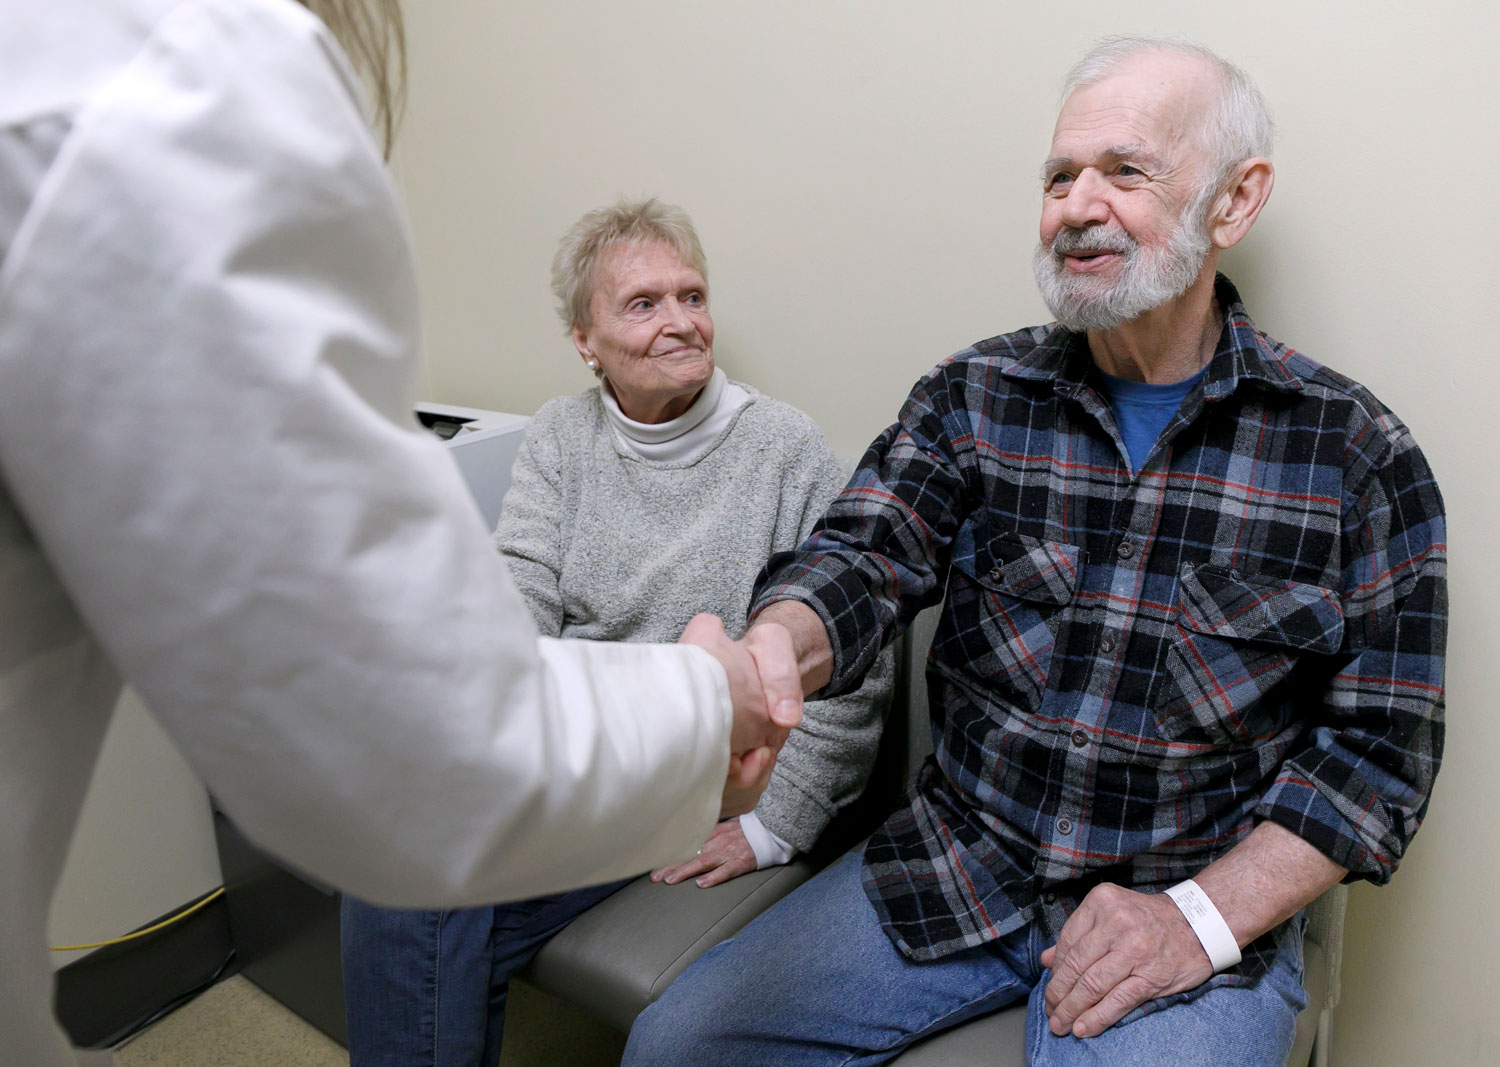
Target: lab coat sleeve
x: 207, y: 329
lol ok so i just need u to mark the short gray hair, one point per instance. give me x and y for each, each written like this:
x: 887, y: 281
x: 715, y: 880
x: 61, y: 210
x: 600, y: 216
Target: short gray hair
x: 1240, y: 128
x: 576, y: 264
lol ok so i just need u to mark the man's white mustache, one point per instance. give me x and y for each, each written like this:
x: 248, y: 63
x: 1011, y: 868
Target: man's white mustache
x: 1091, y: 239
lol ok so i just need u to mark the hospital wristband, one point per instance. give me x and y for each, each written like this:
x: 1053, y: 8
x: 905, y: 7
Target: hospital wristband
x: 1209, y: 926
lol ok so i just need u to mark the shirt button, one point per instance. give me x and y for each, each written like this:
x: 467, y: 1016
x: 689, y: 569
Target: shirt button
x: 1125, y: 549
x: 1049, y: 898
x: 997, y: 574
x: 1080, y: 738
x: 1065, y: 826
x: 1106, y: 644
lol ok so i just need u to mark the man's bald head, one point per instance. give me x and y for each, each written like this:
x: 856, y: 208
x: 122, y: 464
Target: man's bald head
x: 1227, y: 115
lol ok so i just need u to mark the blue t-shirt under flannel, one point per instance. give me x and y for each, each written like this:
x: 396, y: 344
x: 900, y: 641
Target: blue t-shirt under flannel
x: 1142, y: 410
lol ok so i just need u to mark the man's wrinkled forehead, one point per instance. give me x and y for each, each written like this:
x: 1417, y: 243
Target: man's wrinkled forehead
x: 1162, y: 98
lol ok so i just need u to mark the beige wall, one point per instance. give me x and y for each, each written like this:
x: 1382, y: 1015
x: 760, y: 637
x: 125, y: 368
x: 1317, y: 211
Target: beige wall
x: 145, y: 839
x: 864, y: 178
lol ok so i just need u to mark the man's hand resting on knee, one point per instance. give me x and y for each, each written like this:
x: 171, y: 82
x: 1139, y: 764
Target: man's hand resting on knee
x: 766, y: 689
x: 1122, y: 948
x: 1117, y: 951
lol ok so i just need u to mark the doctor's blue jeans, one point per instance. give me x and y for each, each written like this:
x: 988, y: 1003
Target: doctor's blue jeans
x: 815, y: 982
x: 428, y: 988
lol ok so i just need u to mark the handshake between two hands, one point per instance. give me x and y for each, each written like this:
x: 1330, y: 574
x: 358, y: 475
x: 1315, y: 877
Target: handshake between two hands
x: 765, y: 685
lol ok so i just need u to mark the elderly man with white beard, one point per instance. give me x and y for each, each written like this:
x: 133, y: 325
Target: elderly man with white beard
x: 1188, y: 671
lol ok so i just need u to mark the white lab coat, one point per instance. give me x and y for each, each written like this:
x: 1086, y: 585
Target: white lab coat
x: 210, y: 482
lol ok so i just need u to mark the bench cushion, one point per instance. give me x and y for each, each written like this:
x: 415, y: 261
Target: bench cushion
x: 620, y: 955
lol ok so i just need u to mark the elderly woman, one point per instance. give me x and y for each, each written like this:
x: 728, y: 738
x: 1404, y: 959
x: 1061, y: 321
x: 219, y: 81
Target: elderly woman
x: 633, y: 506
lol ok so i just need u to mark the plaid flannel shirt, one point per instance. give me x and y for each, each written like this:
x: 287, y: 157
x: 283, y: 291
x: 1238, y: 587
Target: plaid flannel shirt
x: 1131, y: 670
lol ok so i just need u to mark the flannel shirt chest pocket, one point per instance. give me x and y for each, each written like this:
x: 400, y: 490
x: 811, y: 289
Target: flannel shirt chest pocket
x: 1007, y: 602
x: 1238, y: 636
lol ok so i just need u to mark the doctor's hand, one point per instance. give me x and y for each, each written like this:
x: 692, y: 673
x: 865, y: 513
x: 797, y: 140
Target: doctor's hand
x: 725, y: 855
x: 765, y: 687
x: 1117, y: 951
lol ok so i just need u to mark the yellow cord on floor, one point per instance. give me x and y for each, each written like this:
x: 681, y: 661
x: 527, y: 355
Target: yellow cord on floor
x: 215, y: 895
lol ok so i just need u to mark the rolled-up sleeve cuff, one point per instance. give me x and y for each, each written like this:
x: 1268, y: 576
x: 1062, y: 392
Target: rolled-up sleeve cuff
x: 1355, y: 837
x: 839, y: 597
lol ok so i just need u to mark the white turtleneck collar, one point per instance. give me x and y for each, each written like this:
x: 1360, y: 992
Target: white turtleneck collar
x: 685, y: 438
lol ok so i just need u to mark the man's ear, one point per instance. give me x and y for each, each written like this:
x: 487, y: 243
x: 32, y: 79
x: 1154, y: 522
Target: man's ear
x: 1239, y: 206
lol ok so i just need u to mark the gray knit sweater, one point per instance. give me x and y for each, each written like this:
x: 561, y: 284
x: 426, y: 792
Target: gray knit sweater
x: 607, y: 545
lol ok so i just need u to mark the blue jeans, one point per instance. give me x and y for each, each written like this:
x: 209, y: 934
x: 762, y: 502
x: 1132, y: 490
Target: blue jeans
x: 815, y: 981
x: 427, y: 988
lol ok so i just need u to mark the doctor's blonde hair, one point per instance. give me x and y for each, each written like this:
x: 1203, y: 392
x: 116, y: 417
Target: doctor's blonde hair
x: 372, y: 35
